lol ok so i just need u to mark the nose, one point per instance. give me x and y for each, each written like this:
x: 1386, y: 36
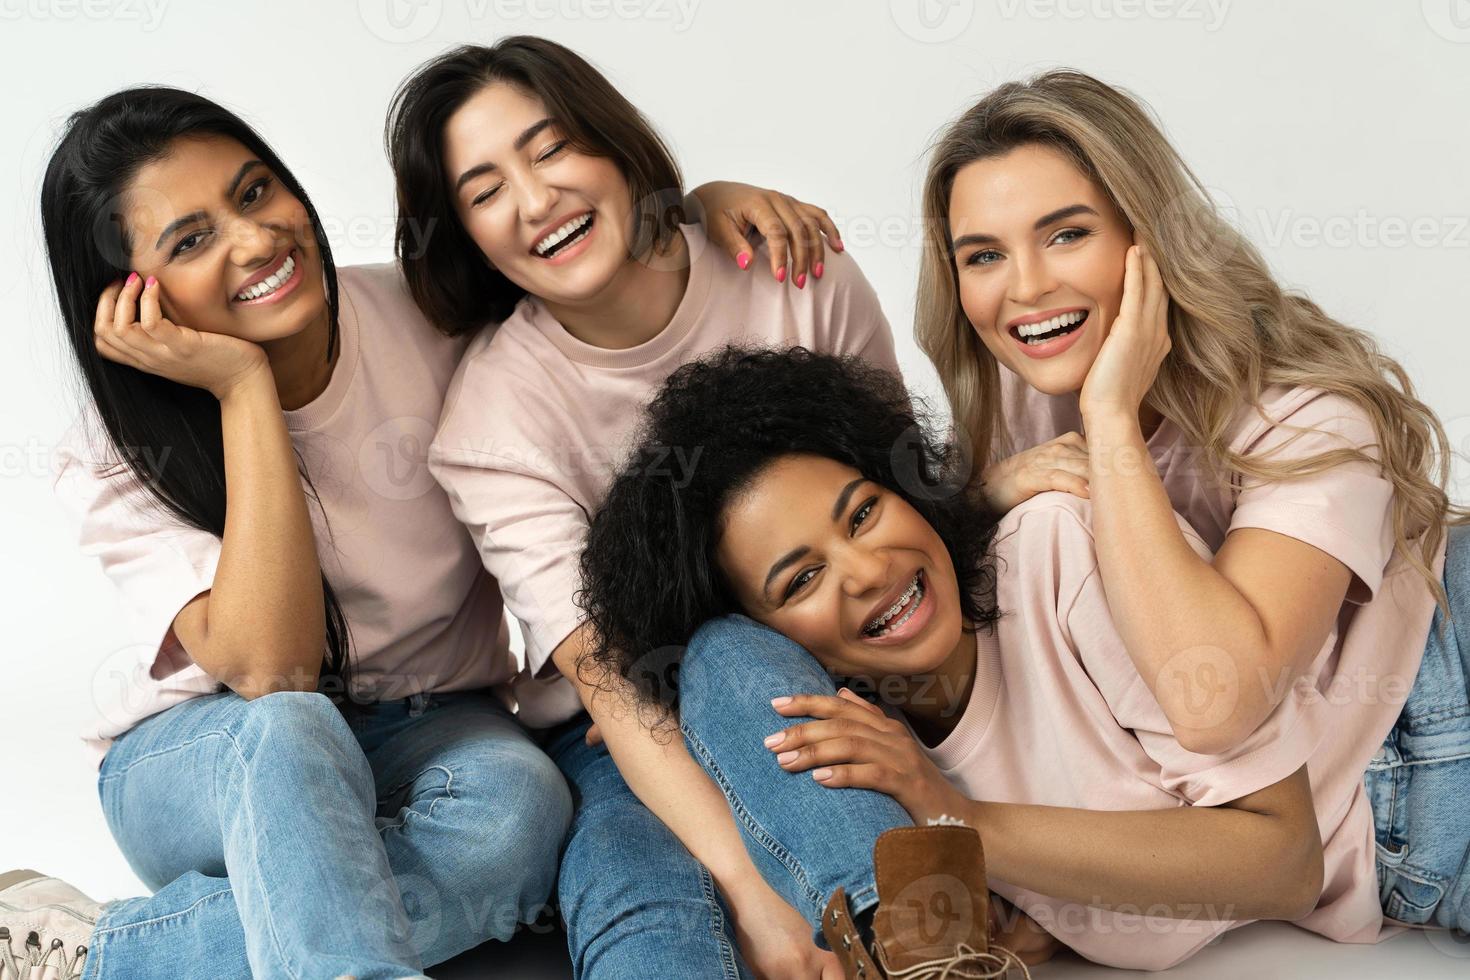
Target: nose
x: 1031, y: 279
x: 251, y: 242
x: 537, y: 198
x: 865, y: 572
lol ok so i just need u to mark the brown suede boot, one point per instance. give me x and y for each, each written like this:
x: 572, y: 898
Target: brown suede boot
x: 933, y: 916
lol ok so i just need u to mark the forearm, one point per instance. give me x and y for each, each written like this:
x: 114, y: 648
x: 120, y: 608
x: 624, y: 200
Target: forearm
x: 1184, y: 624
x: 265, y: 627
x: 1234, y: 864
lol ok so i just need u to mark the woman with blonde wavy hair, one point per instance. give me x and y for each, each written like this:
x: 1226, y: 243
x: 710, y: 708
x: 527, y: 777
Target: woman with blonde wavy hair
x: 1100, y: 329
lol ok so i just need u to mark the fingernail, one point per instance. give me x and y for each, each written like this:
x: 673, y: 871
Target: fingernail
x: 837, y: 244
x: 743, y: 260
x: 774, y: 740
x: 132, y: 278
x: 820, y: 774
x: 786, y: 757
x: 817, y: 270
x: 800, y: 280
x: 781, y: 274
x: 780, y: 702
x: 150, y: 282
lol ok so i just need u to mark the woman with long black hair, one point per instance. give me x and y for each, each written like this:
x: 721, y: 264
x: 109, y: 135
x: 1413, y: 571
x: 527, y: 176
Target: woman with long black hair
x: 250, y: 472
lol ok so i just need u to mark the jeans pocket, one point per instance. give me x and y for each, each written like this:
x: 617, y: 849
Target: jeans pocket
x: 1411, y: 894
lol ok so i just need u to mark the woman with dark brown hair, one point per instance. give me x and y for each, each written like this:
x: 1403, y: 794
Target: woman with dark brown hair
x: 560, y: 214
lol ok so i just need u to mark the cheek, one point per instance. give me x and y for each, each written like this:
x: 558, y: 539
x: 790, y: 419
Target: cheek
x: 980, y: 301
x: 491, y: 229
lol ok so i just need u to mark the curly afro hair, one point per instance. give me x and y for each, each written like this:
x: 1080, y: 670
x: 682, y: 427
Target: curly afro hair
x: 649, y: 571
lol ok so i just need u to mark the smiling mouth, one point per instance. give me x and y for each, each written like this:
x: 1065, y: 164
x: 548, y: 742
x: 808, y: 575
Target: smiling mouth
x: 901, y: 611
x: 567, y: 235
x: 272, y: 282
x: 1034, y: 334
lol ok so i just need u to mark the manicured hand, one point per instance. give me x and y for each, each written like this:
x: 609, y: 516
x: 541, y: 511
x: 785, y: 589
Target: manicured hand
x: 131, y: 329
x: 852, y: 743
x: 1061, y: 464
x: 1136, y: 345
x: 793, y: 230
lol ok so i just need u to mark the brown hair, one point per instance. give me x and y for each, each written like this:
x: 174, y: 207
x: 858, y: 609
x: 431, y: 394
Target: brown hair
x: 447, y: 275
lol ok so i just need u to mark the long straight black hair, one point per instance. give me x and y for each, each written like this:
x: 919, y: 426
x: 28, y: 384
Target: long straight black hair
x: 167, y: 434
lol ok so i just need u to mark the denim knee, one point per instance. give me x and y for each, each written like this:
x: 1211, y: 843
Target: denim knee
x: 736, y: 658
x: 301, y: 735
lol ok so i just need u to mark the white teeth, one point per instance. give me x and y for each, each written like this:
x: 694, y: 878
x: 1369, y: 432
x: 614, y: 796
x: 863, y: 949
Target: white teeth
x: 565, y: 231
x: 879, y: 625
x: 1028, y: 330
x: 270, y: 283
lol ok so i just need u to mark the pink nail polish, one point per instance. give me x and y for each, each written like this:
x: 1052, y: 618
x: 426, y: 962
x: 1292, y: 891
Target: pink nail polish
x: 786, y: 757
x: 821, y: 774
x: 837, y: 244
x: 132, y: 278
x: 150, y: 282
x: 771, y: 741
x: 817, y: 270
x: 781, y: 274
x: 780, y: 702
x: 800, y: 280
x: 743, y: 260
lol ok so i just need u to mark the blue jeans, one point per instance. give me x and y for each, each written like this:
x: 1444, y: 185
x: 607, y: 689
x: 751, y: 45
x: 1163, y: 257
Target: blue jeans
x: 1420, y: 779
x: 288, y: 838
x: 635, y: 901
x: 805, y: 838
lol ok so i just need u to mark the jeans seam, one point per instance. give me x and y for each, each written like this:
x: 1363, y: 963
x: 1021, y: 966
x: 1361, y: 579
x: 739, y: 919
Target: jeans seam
x: 717, y: 916
x: 767, y: 840
x: 177, y: 747
x: 255, y: 858
x: 102, y: 933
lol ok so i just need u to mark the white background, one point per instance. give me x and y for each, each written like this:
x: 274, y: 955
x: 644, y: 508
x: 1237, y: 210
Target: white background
x: 1329, y: 128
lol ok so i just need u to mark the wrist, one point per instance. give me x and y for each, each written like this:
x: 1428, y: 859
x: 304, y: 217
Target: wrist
x: 247, y: 383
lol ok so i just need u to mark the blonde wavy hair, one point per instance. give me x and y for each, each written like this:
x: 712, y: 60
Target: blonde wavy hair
x: 1234, y: 330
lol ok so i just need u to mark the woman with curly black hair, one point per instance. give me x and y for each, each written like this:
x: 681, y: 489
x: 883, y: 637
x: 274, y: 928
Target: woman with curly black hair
x: 816, y: 536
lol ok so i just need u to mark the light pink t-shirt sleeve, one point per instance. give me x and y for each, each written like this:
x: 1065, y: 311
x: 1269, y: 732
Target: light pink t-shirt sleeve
x: 857, y: 318
x: 1345, y: 511
x: 1278, y: 747
x: 156, y: 563
x: 529, y: 533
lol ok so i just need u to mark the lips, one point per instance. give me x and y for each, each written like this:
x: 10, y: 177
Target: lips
x: 265, y: 273
x: 559, y: 232
x: 889, y: 601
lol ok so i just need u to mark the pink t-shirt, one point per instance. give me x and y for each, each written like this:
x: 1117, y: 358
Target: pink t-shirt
x: 537, y: 422
x: 1059, y: 716
x: 424, y: 615
x: 1360, y: 678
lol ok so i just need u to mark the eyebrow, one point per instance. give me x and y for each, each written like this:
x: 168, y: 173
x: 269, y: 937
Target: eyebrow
x: 1041, y: 222
x: 527, y: 135
x: 795, y: 554
x: 194, y: 216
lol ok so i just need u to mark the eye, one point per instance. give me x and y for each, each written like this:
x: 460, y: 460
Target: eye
x: 187, y: 243
x: 801, y: 579
x: 484, y: 196
x: 980, y: 257
x: 860, y: 516
x: 255, y: 191
x: 1069, y: 235
x: 553, y: 151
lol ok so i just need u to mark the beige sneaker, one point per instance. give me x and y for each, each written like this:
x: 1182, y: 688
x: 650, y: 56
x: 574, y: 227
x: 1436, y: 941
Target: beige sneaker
x: 51, y: 916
